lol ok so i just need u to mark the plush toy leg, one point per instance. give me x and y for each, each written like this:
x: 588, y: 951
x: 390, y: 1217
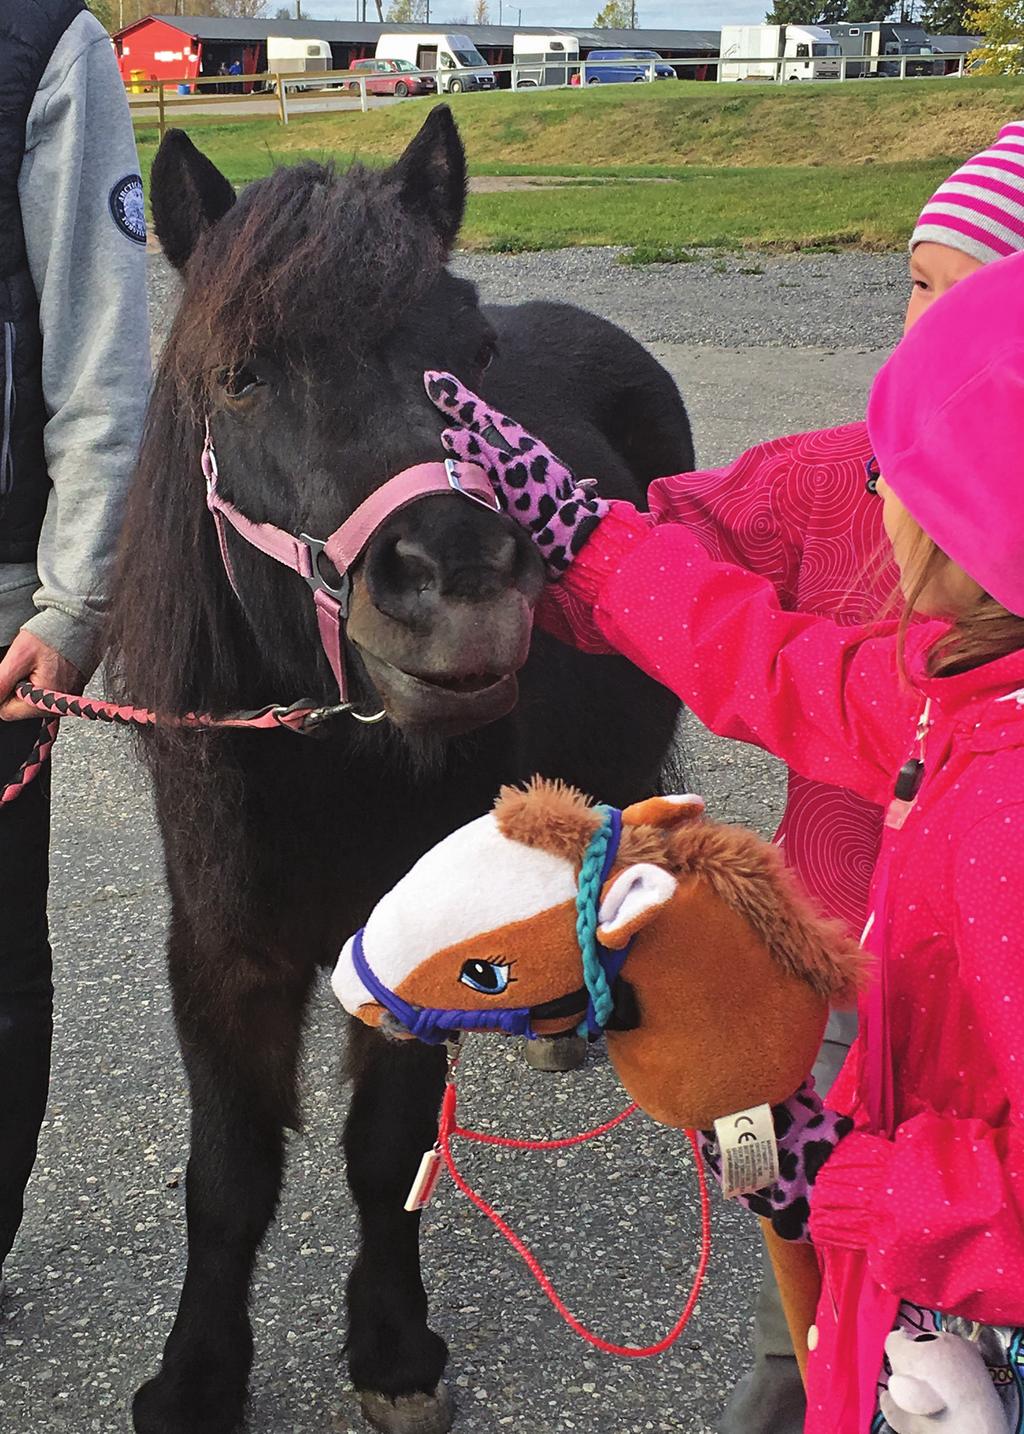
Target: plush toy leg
x: 799, y: 1281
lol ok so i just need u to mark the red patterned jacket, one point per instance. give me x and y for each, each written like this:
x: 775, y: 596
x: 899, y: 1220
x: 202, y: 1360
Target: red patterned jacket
x: 795, y: 511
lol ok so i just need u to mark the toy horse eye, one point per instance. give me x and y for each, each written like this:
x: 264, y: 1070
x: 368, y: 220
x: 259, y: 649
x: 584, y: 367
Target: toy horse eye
x: 489, y: 977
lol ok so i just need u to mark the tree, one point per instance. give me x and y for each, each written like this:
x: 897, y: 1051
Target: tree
x: 481, y: 13
x: 866, y: 11
x: 282, y: 13
x: 1001, y: 23
x: 406, y: 12
x: 617, y: 15
x: 946, y: 17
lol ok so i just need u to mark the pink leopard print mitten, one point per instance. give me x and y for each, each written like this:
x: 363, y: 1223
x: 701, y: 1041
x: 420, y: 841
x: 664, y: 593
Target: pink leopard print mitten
x: 533, y: 486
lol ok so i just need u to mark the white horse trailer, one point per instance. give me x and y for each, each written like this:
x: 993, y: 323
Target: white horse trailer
x: 287, y: 55
x: 808, y: 53
x: 545, y: 59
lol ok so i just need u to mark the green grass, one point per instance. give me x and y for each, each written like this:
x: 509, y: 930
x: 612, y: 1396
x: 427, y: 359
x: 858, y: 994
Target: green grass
x: 796, y: 208
x: 761, y: 165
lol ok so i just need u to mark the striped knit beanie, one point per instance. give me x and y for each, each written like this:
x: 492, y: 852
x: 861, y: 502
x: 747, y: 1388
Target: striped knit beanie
x: 980, y: 207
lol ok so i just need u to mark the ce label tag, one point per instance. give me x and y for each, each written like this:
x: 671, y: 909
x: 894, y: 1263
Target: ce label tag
x: 750, y: 1155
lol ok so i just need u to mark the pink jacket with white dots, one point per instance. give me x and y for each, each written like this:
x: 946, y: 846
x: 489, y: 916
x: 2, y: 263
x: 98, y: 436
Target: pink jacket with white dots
x: 925, y: 1199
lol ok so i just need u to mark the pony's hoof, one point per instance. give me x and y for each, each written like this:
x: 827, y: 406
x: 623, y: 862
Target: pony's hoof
x: 556, y: 1053
x: 409, y: 1413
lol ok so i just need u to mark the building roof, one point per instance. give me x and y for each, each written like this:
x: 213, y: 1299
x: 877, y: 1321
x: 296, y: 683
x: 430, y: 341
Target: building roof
x: 228, y: 27
x: 955, y: 44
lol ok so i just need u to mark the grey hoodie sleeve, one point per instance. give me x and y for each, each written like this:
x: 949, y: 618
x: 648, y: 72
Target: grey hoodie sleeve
x: 85, y: 234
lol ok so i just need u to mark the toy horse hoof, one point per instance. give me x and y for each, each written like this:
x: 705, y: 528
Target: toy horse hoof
x: 556, y: 1053
x: 409, y: 1413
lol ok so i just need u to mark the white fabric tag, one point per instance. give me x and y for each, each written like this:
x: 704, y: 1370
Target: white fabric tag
x: 424, y: 1184
x: 750, y: 1155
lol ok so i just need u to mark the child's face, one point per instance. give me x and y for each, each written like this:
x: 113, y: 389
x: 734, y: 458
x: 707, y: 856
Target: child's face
x: 950, y: 591
x: 934, y: 268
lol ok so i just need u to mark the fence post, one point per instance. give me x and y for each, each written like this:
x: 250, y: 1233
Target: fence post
x: 161, y: 123
x: 514, y: 75
x: 282, y: 98
x: 903, y: 67
x: 362, y: 94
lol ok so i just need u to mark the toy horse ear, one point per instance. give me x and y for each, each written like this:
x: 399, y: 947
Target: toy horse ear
x: 664, y: 811
x: 432, y: 172
x: 188, y: 194
x: 633, y: 898
x: 914, y: 1396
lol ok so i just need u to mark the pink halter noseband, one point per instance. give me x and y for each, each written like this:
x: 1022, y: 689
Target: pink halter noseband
x: 346, y: 544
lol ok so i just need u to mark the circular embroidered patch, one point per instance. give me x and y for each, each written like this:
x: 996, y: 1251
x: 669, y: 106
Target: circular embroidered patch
x: 128, y: 207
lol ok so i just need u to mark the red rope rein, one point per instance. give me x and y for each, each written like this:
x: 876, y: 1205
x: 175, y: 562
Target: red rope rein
x: 449, y: 1128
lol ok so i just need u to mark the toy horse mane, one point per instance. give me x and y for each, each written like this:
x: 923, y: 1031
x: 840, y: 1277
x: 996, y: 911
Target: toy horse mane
x: 745, y: 872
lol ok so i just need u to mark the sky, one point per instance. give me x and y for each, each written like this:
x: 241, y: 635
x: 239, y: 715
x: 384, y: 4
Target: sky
x: 653, y: 14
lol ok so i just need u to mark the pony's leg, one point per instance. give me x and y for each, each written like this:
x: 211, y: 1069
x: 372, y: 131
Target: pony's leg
x: 395, y: 1359
x: 240, y: 1043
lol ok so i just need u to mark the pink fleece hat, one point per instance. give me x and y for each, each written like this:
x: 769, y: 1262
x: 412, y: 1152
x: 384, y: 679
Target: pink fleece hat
x: 946, y: 418
x: 979, y: 209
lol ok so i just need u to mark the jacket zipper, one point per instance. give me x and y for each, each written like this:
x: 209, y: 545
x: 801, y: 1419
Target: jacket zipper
x: 9, y: 402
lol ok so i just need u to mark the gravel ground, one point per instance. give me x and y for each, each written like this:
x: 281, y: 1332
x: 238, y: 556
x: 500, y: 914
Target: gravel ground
x: 95, y: 1273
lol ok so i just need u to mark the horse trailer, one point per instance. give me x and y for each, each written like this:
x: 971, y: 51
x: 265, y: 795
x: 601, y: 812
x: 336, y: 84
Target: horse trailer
x: 883, y: 44
x: 458, y: 62
x: 807, y: 52
x: 545, y: 59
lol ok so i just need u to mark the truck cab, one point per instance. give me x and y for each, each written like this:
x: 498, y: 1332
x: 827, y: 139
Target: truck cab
x: 459, y: 64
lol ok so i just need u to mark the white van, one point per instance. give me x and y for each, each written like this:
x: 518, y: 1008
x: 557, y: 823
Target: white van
x: 545, y: 59
x: 459, y: 64
x: 287, y: 55
x: 809, y: 52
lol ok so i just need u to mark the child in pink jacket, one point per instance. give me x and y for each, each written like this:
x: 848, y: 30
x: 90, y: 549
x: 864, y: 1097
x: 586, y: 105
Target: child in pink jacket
x: 912, y: 1183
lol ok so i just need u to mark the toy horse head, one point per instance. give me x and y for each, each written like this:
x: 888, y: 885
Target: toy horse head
x: 728, y: 975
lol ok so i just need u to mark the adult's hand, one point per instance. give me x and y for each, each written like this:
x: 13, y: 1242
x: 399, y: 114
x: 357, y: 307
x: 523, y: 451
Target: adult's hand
x: 533, y: 485
x: 30, y: 659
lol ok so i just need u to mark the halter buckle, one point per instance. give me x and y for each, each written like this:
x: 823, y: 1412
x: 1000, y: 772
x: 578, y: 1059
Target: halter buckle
x: 316, y: 580
x: 451, y: 467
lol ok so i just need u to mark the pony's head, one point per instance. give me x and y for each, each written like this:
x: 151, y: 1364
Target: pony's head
x: 312, y: 303
x: 729, y: 976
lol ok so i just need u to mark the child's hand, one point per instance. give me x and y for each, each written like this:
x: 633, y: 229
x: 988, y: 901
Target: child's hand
x: 534, y: 487
x: 807, y: 1134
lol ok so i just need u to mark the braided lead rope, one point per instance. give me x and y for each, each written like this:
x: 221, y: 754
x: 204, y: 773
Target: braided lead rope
x: 33, y: 763
x: 588, y: 896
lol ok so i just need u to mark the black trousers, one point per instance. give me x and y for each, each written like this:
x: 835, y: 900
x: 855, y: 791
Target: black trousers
x: 26, y: 990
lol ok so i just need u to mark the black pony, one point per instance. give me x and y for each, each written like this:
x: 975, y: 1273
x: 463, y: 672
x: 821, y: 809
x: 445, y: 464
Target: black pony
x: 311, y: 307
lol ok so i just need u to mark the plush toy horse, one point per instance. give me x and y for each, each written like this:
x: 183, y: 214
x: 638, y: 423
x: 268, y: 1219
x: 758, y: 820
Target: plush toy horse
x: 701, y: 962
x: 706, y: 968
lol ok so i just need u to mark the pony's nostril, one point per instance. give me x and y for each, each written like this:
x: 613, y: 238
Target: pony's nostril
x: 417, y: 567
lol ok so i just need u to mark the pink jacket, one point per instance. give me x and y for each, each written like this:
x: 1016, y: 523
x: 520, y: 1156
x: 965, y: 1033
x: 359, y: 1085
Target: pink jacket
x: 796, y: 510
x: 932, y: 1208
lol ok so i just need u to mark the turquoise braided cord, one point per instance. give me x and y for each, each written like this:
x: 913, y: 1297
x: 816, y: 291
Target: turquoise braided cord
x: 588, y: 896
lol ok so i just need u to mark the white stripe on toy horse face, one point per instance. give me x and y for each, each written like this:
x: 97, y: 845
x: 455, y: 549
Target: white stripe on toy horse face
x: 474, y: 881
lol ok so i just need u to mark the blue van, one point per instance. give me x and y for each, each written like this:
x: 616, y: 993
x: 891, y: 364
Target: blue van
x: 634, y: 67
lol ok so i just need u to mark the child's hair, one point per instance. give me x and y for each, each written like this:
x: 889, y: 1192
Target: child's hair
x: 980, y: 634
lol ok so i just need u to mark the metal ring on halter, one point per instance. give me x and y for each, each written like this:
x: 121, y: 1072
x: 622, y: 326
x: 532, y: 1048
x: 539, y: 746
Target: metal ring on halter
x: 451, y: 467
x: 367, y: 721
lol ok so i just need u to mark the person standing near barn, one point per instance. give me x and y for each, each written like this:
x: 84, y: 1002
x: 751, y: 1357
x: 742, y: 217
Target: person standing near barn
x: 74, y: 379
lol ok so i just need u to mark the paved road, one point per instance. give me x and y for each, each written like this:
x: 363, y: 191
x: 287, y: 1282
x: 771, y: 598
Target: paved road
x: 177, y: 107
x: 96, y: 1270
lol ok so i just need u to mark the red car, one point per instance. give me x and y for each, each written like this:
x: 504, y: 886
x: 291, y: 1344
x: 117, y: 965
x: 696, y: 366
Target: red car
x: 393, y: 77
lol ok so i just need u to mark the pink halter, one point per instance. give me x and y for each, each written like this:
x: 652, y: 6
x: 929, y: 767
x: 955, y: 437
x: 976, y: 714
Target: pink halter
x: 346, y: 544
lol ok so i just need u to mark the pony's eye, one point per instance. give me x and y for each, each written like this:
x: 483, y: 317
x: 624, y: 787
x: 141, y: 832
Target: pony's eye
x: 485, y: 354
x: 489, y: 977
x: 240, y: 382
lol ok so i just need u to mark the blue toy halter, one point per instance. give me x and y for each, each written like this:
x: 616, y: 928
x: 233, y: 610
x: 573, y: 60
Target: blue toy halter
x: 433, y: 1024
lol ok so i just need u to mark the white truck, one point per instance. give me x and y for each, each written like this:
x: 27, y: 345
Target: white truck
x: 287, y: 55
x: 754, y: 52
x: 459, y: 64
x: 544, y: 59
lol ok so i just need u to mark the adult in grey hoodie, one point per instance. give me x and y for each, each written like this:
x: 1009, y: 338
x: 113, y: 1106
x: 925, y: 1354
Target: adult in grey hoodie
x: 74, y: 378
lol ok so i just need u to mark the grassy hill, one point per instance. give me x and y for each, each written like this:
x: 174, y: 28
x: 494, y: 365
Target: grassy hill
x: 792, y: 165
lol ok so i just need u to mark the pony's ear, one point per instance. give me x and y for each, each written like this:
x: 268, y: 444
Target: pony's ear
x: 432, y: 175
x: 633, y: 899
x: 188, y: 194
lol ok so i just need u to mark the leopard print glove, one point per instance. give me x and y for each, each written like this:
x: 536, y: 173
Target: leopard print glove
x: 533, y: 486
x: 807, y: 1134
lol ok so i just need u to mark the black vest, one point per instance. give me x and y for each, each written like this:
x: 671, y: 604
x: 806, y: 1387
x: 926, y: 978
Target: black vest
x: 29, y: 32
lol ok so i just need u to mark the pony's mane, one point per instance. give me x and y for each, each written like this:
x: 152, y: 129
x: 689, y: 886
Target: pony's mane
x: 746, y: 872
x: 268, y: 277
